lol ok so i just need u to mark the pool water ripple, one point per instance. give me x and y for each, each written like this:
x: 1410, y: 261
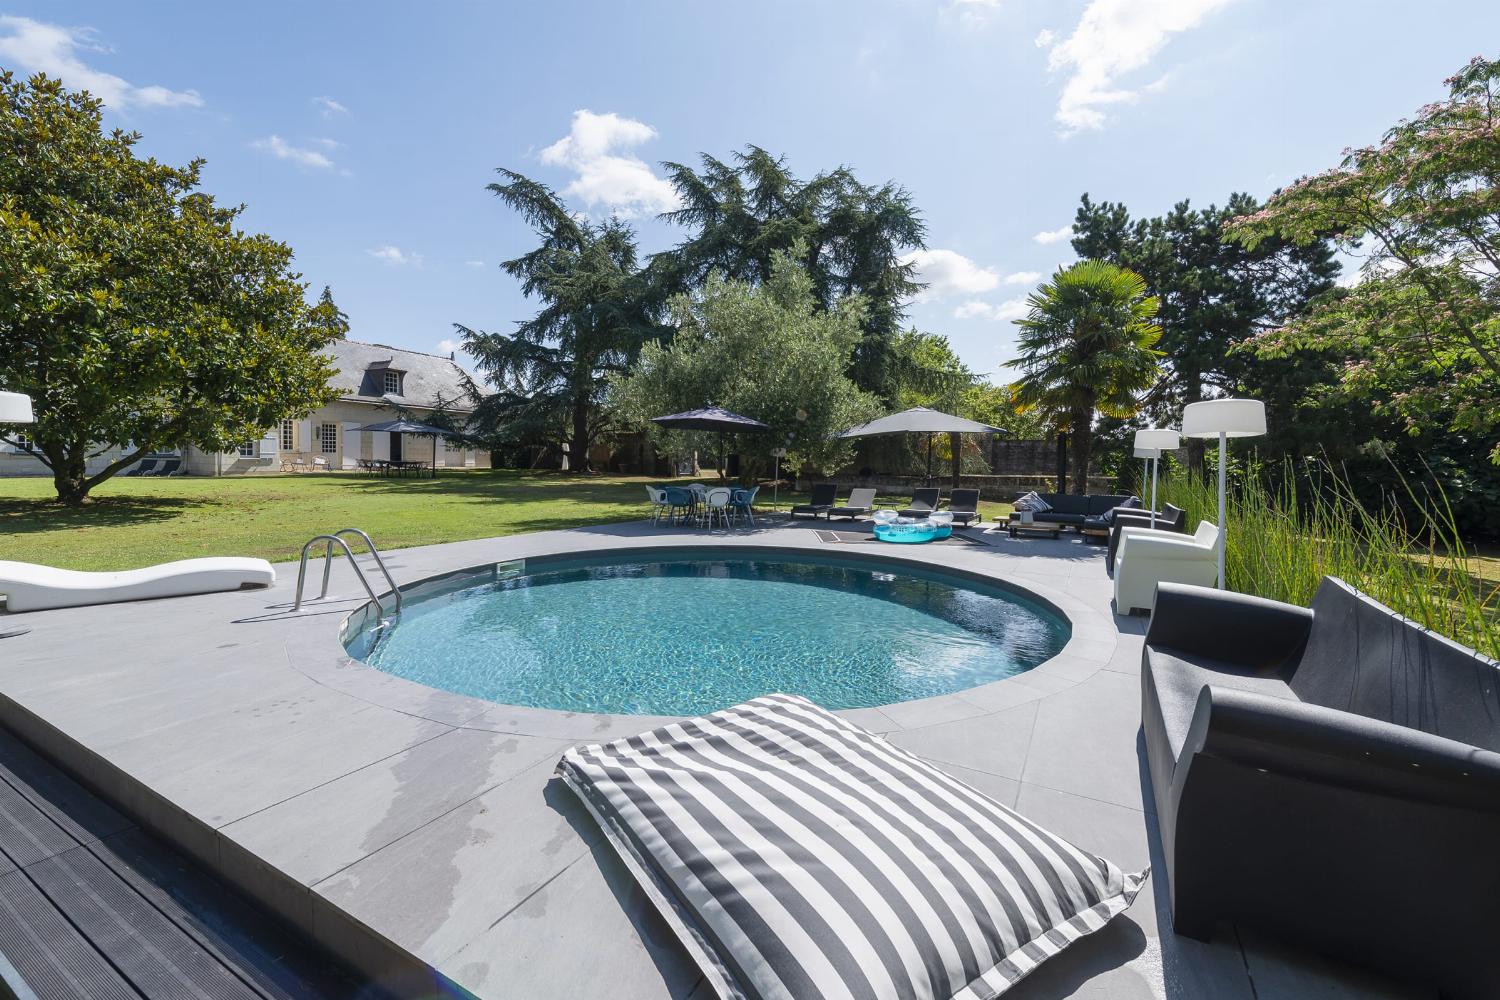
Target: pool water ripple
x: 683, y: 637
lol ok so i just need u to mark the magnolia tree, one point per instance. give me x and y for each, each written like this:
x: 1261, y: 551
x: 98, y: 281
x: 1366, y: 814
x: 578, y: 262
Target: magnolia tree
x: 1419, y: 335
x: 132, y: 310
x: 766, y: 351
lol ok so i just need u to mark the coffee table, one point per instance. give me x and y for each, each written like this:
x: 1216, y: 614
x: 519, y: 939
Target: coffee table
x: 1036, y: 529
x: 1095, y: 536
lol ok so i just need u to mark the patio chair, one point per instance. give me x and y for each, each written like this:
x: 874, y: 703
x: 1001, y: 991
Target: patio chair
x: 964, y: 506
x: 658, y: 498
x: 1329, y: 775
x: 744, y: 503
x: 146, y: 468
x: 681, y: 503
x: 169, y: 469
x: 716, y: 504
x: 821, y: 501
x: 320, y: 464
x: 1169, y: 518
x: 1149, y: 556
x: 861, y: 502
x: 924, y: 501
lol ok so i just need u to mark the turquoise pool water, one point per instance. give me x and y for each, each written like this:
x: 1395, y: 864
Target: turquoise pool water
x: 687, y: 636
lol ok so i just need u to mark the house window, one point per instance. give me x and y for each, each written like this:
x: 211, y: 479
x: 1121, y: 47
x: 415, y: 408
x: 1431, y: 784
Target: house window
x: 249, y: 449
x: 289, y: 435
x: 21, y: 442
x: 328, y: 438
x: 392, y: 383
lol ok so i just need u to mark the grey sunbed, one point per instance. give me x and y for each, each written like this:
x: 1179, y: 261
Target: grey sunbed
x: 923, y: 502
x: 861, y: 502
x: 964, y: 506
x: 821, y: 501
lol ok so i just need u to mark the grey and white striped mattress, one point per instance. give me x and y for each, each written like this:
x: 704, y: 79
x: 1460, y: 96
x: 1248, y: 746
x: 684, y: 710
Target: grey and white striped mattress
x: 799, y: 856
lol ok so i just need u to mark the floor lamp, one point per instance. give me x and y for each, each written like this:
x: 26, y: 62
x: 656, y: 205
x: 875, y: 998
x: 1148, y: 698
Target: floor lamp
x: 1154, y: 441
x: 15, y: 408
x: 1224, y: 419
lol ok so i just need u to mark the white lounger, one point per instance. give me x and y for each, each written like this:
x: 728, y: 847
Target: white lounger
x: 29, y: 587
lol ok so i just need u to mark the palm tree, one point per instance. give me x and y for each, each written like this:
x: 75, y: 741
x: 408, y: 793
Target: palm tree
x: 1087, y: 345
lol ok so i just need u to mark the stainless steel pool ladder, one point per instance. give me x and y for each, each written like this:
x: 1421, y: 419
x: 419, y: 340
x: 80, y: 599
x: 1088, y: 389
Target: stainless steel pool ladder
x: 337, y: 539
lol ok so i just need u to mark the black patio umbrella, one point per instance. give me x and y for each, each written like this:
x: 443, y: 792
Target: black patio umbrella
x: 410, y: 427
x: 711, y: 418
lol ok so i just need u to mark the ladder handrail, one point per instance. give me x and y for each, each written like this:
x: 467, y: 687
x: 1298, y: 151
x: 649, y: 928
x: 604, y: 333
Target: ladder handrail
x: 378, y: 562
x: 335, y: 539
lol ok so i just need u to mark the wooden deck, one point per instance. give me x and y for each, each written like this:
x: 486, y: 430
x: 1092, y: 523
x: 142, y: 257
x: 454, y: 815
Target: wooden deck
x: 91, y: 906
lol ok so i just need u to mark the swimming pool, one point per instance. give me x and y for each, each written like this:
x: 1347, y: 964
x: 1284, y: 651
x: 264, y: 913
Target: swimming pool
x: 684, y: 635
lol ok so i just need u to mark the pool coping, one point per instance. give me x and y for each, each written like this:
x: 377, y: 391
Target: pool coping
x: 1090, y: 645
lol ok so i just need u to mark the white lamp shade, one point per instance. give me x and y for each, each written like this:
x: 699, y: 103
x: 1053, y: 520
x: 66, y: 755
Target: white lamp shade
x: 1157, y: 439
x: 1146, y: 453
x: 1230, y: 417
x: 15, y: 408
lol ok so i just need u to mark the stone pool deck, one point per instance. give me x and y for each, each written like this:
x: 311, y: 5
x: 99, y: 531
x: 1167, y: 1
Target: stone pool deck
x: 413, y: 830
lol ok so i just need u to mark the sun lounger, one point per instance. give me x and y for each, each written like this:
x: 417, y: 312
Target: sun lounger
x: 964, y: 506
x: 923, y: 502
x: 146, y: 468
x: 861, y: 502
x: 821, y: 501
x: 170, y: 469
x: 29, y: 587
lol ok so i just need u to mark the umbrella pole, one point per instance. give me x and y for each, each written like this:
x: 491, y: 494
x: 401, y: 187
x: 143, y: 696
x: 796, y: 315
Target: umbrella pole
x: 929, y: 458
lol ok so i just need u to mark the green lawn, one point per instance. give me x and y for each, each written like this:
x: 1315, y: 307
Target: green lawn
x: 135, y: 522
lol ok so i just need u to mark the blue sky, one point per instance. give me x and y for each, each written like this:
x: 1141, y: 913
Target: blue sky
x: 364, y: 134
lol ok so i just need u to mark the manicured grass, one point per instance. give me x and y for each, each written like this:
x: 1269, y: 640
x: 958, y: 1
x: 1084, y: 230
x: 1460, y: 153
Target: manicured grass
x: 135, y: 522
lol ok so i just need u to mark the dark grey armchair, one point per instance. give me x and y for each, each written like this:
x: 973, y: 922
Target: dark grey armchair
x: 1330, y: 776
x: 1169, y: 518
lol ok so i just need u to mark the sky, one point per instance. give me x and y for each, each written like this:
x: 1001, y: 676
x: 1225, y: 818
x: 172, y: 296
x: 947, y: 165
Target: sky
x: 363, y: 134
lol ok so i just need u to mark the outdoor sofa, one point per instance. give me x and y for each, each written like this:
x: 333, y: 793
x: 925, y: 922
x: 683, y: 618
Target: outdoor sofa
x: 1329, y: 776
x: 1169, y: 518
x: 1080, y: 511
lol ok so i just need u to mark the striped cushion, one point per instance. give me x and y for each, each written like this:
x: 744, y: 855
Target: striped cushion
x: 800, y: 856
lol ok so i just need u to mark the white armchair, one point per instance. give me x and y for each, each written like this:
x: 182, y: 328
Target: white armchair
x: 1149, y: 556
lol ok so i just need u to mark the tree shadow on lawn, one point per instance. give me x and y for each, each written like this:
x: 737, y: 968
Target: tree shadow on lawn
x: 20, y: 517
x: 481, y: 489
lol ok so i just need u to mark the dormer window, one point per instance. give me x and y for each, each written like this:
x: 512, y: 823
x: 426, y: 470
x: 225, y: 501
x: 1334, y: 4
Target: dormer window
x: 392, y: 382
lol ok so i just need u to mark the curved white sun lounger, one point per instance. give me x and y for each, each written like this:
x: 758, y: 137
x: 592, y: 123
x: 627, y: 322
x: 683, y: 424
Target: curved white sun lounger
x: 29, y: 587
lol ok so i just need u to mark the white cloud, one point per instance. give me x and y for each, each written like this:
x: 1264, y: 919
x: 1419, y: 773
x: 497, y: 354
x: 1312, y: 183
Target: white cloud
x: 976, y: 309
x: 327, y: 143
x: 620, y: 182
x: 947, y: 272
x: 1047, y: 236
x: 1023, y: 278
x: 474, y: 263
x: 972, y: 11
x: 1114, y: 38
x: 283, y: 150
x: 1045, y: 38
x: 329, y: 106
x: 396, y: 256
x: 35, y: 47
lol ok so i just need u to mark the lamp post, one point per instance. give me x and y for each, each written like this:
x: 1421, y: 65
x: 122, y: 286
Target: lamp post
x: 1224, y: 419
x: 1155, y: 440
x: 1145, y: 455
x: 15, y: 408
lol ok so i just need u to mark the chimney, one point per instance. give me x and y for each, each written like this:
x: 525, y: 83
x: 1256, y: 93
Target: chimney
x: 450, y: 355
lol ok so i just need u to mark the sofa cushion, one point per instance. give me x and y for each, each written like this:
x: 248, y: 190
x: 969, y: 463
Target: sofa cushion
x: 1059, y: 517
x: 798, y: 855
x: 1099, y: 503
x: 1364, y: 658
x: 1067, y: 503
x: 1178, y: 682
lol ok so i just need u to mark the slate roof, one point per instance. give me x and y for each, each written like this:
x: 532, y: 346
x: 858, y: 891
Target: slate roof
x: 427, y: 376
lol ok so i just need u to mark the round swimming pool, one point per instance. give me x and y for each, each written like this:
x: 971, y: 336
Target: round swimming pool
x: 691, y: 634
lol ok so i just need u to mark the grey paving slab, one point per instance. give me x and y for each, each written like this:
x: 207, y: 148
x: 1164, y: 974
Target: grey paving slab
x: 1280, y: 972
x: 590, y: 932
x: 1085, y: 741
x: 994, y: 743
x: 324, y: 830
x: 441, y: 887
x: 1002, y: 790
